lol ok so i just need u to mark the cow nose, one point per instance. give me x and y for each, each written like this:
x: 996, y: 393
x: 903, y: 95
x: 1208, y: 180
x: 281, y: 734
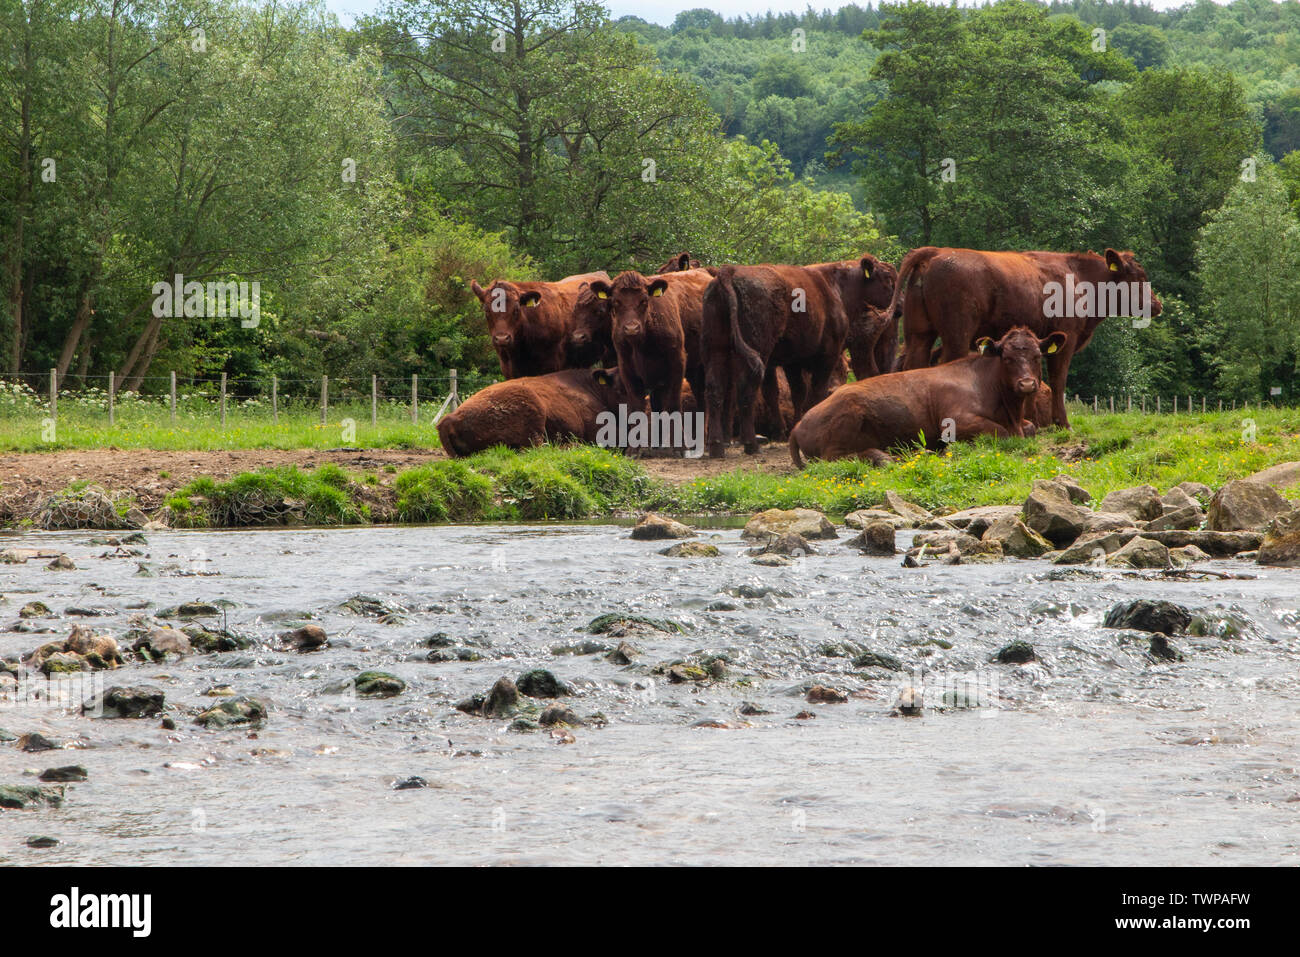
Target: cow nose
x: 502, y: 339
x: 632, y: 329
x: 1027, y: 385
x: 580, y: 338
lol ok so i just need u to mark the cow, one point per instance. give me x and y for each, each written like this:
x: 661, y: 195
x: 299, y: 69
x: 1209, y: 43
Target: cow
x: 961, y: 295
x: 532, y: 410
x: 866, y: 286
x: 646, y: 327
x: 679, y: 263
x: 529, y: 322
x: 593, y: 327
x: 756, y: 317
x: 991, y: 392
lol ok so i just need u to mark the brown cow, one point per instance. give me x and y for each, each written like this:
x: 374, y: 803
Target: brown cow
x: 758, y: 316
x: 532, y: 410
x: 989, y: 393
x: 960, y: 295
x: 593, y: 326
x: 646, y: 326
x: 529, y: 322
x: 866, y: 286
x: 679, y: 263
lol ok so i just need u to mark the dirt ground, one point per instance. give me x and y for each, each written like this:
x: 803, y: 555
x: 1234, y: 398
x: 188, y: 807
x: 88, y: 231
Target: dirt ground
x: 152, y: 475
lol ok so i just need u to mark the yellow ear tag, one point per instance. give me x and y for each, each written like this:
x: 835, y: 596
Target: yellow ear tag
x: 658, y: 291
x: 1114, y: 268
x: 866, y: 271
x: 602, y: 295
x: 983, y: 345
x: 1052, y: 348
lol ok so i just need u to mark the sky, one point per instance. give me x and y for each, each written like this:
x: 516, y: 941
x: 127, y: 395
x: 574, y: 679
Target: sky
x: 663, y: 11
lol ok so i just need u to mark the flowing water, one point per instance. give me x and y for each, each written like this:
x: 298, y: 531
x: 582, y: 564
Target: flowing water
x: 1096, y: 754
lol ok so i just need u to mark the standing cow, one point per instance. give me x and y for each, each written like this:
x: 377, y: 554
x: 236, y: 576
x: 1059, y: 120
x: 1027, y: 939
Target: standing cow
x: 756, y: 317
x: 530, y: 322
x: 866, y: 288
x: 959, y: 295
x: 683, y: 293
x: 990, y: 393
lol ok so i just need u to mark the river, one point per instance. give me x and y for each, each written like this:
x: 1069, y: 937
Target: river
x: 1096, y: 754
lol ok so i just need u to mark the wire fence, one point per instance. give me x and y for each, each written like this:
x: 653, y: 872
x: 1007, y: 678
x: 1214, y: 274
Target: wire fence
x: 1170, y: 404
x: 417, y: 400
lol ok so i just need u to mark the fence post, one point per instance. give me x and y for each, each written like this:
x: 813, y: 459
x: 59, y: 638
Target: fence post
x: 111, y: 390
x: 54, y: 395
x: 324, y: 398
x: 173, y: 397
x: 1112, y: 403
x: 455, y: 392
x: 1175, y: 403
x: 415, y: 399
x: 374, y: 401
x: 1159, y: 405
x: 1144, y: 402
x: 1094, y: 402
x: 1220, y: 405
x: 223, y: 400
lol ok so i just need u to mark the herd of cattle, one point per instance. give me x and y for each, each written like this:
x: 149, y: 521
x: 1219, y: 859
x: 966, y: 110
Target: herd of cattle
x: 762, y: 348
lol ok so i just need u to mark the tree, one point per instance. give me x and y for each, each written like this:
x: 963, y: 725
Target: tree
x: 1248, y: 262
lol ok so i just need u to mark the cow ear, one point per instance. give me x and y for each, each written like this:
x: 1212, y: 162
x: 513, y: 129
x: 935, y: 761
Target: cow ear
x: 1052, y: 344
x: 683, y: 262
x: 601, y: 377
x: 529, y: 299
x: 1113, y: 260
x: 987, y: 347
x: 600, y: 288
x: 867, y: 263
x: 657, y: 287
x: 478, y: 290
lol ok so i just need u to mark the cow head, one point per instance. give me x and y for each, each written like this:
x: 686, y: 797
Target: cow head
x: 878, y: 279
x: 629, y: 298
x: 1123, y: 267
x: 609, y: 388
x: 505, y: 307
x: 1022, y: 354
x: 589, y: 335
x: 679, y: 263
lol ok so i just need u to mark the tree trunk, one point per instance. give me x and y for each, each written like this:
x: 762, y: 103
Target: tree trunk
x: 79, y: 326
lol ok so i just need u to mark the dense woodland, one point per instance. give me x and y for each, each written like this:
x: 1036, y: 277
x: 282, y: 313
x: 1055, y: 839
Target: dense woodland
x: 364, y: 175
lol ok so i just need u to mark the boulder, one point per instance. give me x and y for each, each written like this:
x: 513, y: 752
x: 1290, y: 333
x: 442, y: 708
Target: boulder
x: 1090, y: 548
x: 1016, y: 538
x: 161, y: 642
x: 691, y: 550
x: 62, y: 564
x: 20, y: 797
x: 820, y: 694
x: 233, y: 711
x: 1050, y: 512
x: 378, y: 684
x: 954, y: 547
x: 1188, y: 517
x: 1218, y: 544
x: 1078, y: 494
x: 139, y: 701
x: 876, y: 538
x: 1244, y: 505
x: 977, y: 520
x: 1281, y: 545
x: 864, y: 516
x: 306, y: 638
x: 805, y: 522
x: 1197, y: 490
x: 787, y: 543
x: 558, y: 714
x: 1140, y: 503
x: 893, y: 502
x: 540, y: 683
x: 654, y: 527
x: 1187, y: 555
x: 501, y: 701
x: 1140, y: 553
x: 1281, y: 477
x: 1177, y: 498
x: 1016, y: 653
x: 1145, y: 614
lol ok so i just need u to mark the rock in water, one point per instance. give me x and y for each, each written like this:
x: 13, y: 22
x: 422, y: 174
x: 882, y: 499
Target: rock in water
x: 1016, y: 653
x: 1146, y: 615
x: 502, y: 700
x: 805, y: 522
x: 1162, y: 647
x: 232, y: 712
x: 1050, y: 512
x: 786, y: 543
x: 1281, y: 545
x: 876, y: 538
x: 138, y: 701
x: 820, y: 694
x: 379, y: 684
x: 540, y: 683
x: 306, y: 638
x: 1243, y: 505
x: 25, y: 796
x: 652, y: 527
x: 1141, y: 553
x: 64, y: 775
x: 1017, y: 539
x: 691, y: 550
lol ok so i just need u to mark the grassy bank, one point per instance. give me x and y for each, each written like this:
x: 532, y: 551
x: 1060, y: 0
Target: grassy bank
x: 1103, y: 452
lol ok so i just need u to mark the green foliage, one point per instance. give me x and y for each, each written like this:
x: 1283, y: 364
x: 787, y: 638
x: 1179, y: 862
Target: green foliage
x: 443, y: 492
x: 268, y: 497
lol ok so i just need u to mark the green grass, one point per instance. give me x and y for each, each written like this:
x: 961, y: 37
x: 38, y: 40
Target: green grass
x: 320, y: 497
x: 1122, y: 450
x: 145, y: 423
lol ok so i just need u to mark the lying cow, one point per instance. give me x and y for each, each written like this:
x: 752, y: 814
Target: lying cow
x: 961, y: 295
x: 990, y: 393
x: 530, y: 322
x: 533, y: 410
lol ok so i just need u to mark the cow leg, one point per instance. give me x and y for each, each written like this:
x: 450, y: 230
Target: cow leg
x: 916, y: 349
x: 1058, y: 370
x: 747, y: 389
x: 819, y: 387
x: 717, y: 393
x: 969, y: 426
x: 772, y: 400
x: 794, y: 379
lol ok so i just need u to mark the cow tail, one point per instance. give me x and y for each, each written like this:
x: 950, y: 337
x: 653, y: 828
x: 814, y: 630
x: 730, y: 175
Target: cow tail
x: 752, y: 359
x: 794, y: 451
x: 907, y: 274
